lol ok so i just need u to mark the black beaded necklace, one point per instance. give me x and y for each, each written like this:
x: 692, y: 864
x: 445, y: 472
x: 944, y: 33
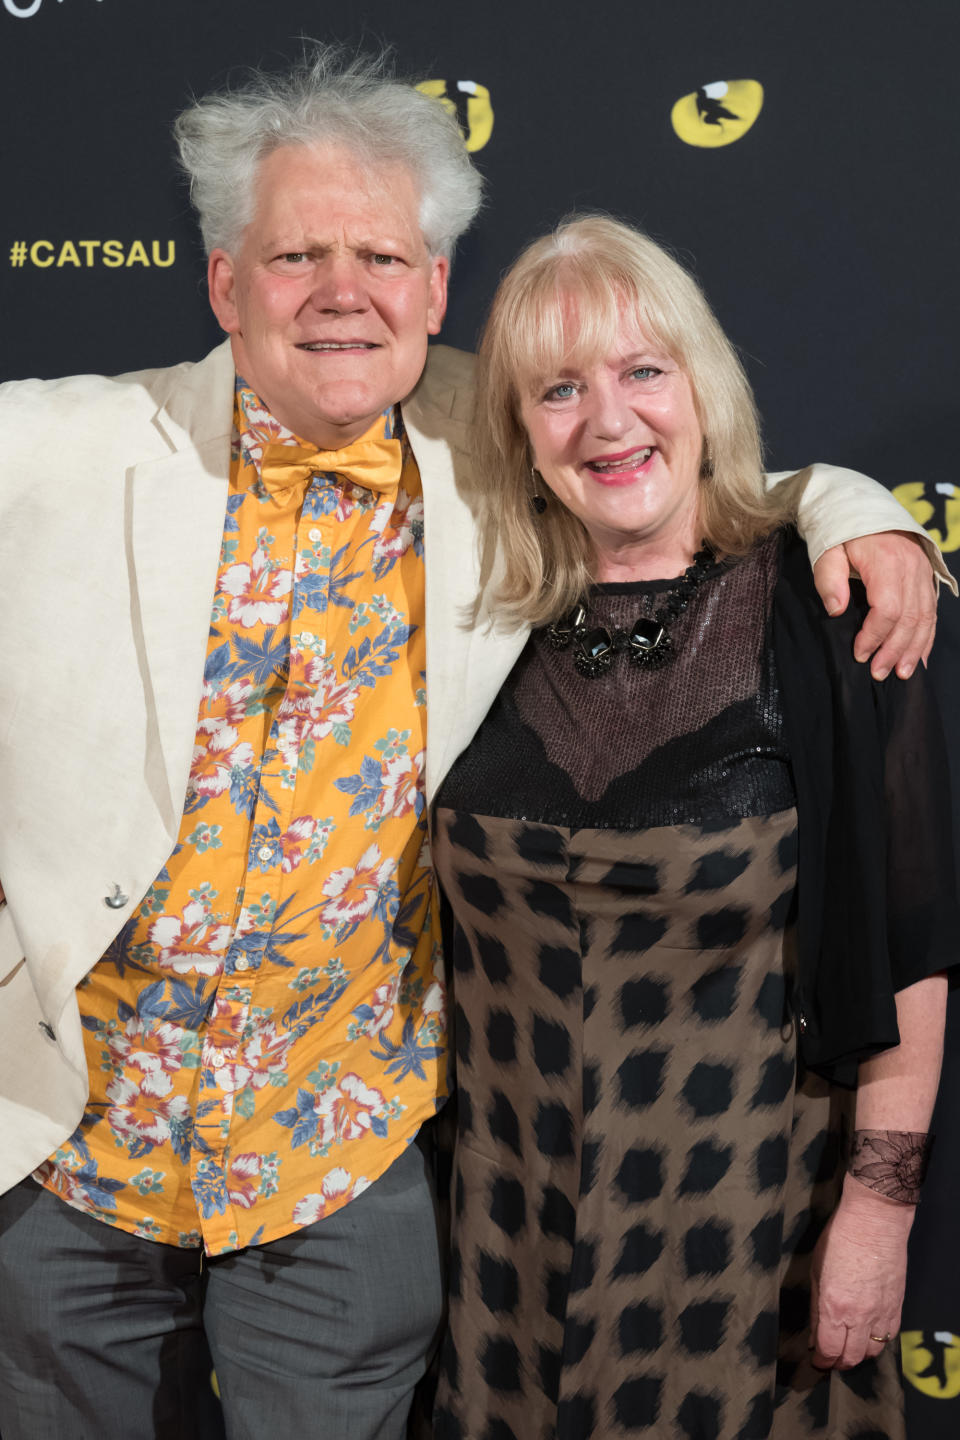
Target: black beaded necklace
x: 647, y: 645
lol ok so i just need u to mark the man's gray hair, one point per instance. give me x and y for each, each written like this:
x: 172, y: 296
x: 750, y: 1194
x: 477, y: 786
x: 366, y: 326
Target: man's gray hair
x: 325, y: 99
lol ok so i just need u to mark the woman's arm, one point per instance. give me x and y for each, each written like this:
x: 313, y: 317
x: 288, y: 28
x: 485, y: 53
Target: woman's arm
x: 859, y: 1265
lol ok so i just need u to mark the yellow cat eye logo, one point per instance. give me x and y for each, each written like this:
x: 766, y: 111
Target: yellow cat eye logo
x: 717, y: 114
x: 936, y: 508
x: 931, y: 1362
x: 469, y: 103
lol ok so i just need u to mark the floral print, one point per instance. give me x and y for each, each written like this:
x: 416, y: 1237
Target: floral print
x: 266, y: 1033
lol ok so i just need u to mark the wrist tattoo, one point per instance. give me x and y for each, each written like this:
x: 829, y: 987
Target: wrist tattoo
x: 892, y: 1162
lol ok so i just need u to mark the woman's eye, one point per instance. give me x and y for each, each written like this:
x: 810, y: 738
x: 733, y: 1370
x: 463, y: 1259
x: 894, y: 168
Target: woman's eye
x: 645, y: 372
x: 563, y: 391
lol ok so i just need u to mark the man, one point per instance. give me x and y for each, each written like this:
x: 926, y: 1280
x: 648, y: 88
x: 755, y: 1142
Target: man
x: 226, y: 604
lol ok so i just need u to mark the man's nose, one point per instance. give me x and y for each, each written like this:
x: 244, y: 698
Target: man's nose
x: 338, y: 286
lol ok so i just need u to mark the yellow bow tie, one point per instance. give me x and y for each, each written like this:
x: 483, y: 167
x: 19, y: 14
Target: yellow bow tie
x: 374, y: 464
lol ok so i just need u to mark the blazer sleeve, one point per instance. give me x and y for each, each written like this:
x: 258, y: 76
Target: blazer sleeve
x: 833, y: 505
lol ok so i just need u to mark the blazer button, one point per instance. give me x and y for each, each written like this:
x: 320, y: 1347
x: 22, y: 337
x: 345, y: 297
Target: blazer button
x: 48, y: 1030
x: 117, y: 900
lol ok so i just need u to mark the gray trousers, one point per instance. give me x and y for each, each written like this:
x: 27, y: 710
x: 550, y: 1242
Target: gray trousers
x: 325, y: 1333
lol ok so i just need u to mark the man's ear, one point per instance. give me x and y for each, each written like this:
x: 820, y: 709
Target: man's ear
x: 437, y: 305
x: 221, y: 285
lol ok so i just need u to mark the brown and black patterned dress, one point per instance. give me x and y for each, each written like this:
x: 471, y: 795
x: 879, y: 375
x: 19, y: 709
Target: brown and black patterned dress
x: 640, y: 1176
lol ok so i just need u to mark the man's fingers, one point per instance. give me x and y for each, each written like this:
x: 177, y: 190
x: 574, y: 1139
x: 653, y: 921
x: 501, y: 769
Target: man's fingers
x: 903, y: 649
x: 831, y: 575
x: 893, y: 642
x: 898, y: 631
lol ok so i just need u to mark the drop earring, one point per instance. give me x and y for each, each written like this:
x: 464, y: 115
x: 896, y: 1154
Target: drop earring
x: 538, y: 501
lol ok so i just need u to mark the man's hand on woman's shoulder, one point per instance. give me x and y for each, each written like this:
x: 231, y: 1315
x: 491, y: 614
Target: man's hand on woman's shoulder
x: 901, y: 592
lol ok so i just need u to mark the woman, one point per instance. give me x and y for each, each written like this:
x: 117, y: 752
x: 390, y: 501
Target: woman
x: 644, y: 1174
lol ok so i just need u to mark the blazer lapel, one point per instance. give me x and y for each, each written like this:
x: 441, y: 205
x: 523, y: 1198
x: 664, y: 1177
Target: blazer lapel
x: 177, y: 506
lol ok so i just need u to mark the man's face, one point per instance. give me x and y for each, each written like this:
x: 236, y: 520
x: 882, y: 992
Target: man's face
x: 331, y: 295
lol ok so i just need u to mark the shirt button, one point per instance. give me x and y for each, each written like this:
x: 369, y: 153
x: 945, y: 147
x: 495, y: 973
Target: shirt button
x: 117, y: 899
x: 242, y: 963
x: 264, y: 853
x: 48, y: 1030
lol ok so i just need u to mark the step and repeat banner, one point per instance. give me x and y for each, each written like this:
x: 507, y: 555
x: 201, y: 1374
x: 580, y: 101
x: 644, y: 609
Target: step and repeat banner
x: 801, y: 156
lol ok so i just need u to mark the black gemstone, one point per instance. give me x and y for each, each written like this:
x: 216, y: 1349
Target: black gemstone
x: 646, y: 635
x: 595, y: 642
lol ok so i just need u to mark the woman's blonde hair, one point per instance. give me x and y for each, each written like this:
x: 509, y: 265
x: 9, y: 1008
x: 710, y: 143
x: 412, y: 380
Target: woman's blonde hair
x: 563, y: 302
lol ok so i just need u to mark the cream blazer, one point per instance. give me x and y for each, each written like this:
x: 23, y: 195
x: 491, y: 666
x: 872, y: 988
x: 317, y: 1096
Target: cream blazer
x: 112, y: 497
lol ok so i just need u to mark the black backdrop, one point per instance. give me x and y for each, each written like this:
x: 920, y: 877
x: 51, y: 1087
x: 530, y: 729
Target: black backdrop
x: 826, y: 238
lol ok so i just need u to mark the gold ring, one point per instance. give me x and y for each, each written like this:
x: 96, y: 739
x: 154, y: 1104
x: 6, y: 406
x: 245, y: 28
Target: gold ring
x: 881, y: 1339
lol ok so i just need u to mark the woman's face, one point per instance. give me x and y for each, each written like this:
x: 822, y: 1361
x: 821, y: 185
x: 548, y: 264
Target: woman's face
x: 619, y: 444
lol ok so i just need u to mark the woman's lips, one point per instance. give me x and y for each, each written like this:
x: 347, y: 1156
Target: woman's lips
x: 623, y: 468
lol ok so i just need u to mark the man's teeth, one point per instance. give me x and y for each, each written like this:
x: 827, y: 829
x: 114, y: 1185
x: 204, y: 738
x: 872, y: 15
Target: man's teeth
x: 639, y: 457
x: 337, y: 345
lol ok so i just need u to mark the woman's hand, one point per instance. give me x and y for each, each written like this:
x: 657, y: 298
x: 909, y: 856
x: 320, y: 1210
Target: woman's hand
x: 858, y: 1275
x: 901, y: 592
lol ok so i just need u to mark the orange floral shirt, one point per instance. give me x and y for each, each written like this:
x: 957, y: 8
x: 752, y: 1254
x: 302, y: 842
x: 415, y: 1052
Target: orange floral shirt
x: 266, y: 1034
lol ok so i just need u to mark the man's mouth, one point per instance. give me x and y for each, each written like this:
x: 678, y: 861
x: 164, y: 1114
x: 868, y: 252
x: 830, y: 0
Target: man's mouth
x: 337, y: 345
x: 618, y: 464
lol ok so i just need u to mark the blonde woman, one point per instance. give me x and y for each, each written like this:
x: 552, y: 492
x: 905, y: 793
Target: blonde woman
x: 696, y: 943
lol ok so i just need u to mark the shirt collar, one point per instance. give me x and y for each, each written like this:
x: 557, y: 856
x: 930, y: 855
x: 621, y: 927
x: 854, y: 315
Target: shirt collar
x: 255, y: 427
